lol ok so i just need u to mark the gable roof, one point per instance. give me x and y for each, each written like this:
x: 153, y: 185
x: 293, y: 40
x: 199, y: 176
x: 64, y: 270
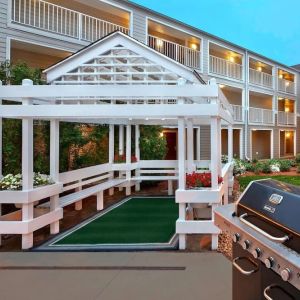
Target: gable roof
x: 112, y: 41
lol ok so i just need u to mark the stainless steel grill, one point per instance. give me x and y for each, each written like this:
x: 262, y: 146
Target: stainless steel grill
x: 265, y: 229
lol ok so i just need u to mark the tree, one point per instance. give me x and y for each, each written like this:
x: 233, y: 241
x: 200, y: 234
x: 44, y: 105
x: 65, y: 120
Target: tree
x: 153, y: 146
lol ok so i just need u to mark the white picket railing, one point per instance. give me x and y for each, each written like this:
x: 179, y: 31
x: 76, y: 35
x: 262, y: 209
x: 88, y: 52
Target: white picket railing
x: 261, y: 116
x: 238, y: 114
x: 57, y: 19
x: 286, y: 86
x: 223, y: 67
x: 184, y: 55
x: 260, y: 78
x: 286, y: 118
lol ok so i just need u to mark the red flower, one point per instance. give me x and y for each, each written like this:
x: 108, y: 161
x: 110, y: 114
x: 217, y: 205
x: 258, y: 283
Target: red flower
x: 200, y: 180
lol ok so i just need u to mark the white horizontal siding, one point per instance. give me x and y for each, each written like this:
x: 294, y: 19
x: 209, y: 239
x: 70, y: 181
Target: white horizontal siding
x: 139, y: 25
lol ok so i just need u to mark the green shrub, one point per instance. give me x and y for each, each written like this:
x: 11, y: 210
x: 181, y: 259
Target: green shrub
x: 254, y: 160
x: 297, y: 159
x: 298, y: 169
x: 249, y: 167
x: 293, y: 163
x: 285, y: 165
x: 258, y: 168
x: 266, y: 168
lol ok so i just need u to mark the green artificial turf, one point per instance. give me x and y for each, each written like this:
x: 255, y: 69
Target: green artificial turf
x: 139, y: 220
x: 244, y: 181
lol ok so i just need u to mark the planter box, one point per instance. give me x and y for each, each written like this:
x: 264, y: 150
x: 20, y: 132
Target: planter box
x: 205, y: 195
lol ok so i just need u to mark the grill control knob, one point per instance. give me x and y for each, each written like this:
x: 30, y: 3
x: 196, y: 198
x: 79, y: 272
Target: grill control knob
x: 285, y: 274
x: 256, y: 253
x: 246, y: 245
x: 269, y: 262
x: 236, y: 237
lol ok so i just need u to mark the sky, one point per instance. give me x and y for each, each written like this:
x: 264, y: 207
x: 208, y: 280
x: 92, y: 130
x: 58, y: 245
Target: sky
x: 268, y: 27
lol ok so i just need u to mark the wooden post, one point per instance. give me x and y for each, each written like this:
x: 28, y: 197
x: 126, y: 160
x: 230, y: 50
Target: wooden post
x: 137, y: 155
x: 121, y: 148
x: 27, y: 167
x: 100, y: 204
x: 215, y: 139
x: 230, y: 143
x: 181, y: 176
x: 198, y: 144
x: 170, y: 187
x: 190, y: 146
x: 128, y: 159
x: 54, y: 169
x: 111, y: 153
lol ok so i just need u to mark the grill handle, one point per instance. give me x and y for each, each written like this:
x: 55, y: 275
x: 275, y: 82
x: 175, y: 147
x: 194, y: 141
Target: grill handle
x: 270, y: 237
x: 244, y: 272
x: 272, y: 286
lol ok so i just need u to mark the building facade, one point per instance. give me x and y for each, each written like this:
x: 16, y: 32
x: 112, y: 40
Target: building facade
x: 263, y: 93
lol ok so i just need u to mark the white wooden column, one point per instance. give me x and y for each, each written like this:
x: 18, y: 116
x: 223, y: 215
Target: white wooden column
x: 128, y: 159
x: 181, y: 176
x: 137, y: 154
x: 111, y: 146
x: 121, y: 148
x: 121, y: 139
x: 230, y: 143
x: 190, y: 146
x: 27, y: 168
x: 215, y: 139
x: 0, y: 159
x: 198, y: 144
x: 54, y: 169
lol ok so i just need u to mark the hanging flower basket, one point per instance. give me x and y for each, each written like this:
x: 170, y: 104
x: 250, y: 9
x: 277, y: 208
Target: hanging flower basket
x: 197, y: 181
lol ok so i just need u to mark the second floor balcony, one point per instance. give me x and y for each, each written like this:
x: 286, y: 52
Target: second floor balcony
x: 286, y: 82
x: 185, y: 55
x: 64, y: 21
x: 260, y: 73
x: 225, y: 63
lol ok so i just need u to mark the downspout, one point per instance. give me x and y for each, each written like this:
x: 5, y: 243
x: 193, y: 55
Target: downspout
x: 246, y: 105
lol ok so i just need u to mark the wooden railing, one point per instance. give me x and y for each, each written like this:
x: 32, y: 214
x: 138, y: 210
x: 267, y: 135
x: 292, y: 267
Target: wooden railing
x: 286, y: 118
x: 260, y: 78
x: 184, y: 55
x: 223, y: 67
x: 261, y: 116
x: 60, y: 20
x: 286, y: 86
x: 238, y: 114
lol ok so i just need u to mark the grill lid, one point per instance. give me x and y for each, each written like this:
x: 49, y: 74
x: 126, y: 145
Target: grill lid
x: 272, y: 200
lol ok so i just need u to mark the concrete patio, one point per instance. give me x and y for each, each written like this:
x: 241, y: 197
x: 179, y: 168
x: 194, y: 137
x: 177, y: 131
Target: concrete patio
x: 122, y: 275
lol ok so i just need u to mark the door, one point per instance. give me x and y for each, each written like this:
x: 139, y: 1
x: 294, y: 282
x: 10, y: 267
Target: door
x: 171, y: 137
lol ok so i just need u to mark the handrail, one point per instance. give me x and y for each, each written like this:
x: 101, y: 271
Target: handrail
x: 260, y: 78
x: 182, y: 54
x: 61, y: 20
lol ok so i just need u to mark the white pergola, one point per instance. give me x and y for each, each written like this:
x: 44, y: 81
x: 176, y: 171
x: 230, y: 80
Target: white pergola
x: 123, y: 83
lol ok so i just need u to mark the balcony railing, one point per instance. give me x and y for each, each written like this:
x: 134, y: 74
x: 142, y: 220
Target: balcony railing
x: 238, y: 115
x: 260, y: 78
x: 60, y: 20
x: 286, y: 86
x: 261, y: 116
x: 184, y: 55
x: 225, y: 68
x: 286, y: 118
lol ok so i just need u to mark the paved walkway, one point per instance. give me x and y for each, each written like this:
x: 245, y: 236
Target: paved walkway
x: 114, y: 276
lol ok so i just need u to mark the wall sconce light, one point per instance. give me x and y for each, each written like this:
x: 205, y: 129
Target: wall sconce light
x: 287, y: 83
x: 286, y: 109
x: 231, y: 59
x: 161, y: 134
x: 288, y: 134
x: 280, y: 76
x: 159, y: 43
x: 194, y: 46
x: 221, y: 86
x: 259, y: 69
